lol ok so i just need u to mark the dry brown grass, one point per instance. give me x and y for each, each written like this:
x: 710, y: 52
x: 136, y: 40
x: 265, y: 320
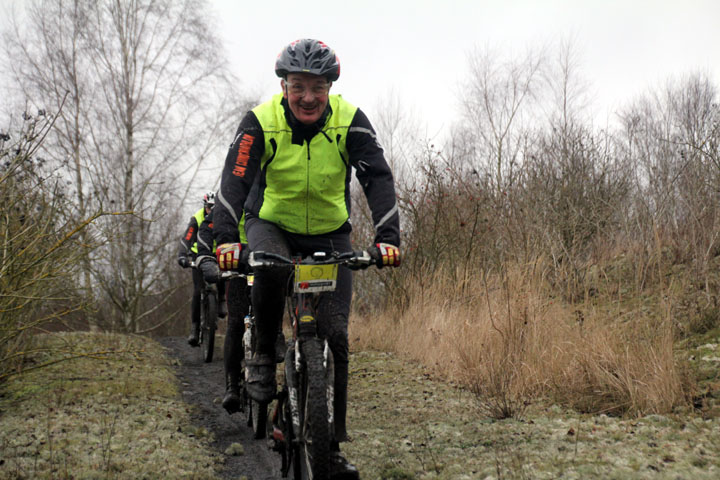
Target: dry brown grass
x: 511, y: 342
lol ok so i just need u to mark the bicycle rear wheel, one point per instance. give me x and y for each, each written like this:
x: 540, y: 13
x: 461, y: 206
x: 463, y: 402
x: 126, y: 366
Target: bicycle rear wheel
x: 315, y: 432
x: 209, y: 324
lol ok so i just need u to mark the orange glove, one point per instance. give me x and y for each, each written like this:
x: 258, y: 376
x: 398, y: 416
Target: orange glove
x: 228, y: 256
x: 390, y: 254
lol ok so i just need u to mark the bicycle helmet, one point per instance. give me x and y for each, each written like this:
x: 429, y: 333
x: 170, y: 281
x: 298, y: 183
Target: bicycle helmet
x: 308, y: 56
x: 209, y: 199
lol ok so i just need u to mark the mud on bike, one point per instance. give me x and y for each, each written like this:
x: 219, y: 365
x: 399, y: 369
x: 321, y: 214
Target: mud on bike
x: 302, y: 418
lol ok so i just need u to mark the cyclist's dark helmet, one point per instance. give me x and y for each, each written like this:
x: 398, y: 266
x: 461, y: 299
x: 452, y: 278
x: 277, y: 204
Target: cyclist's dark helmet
x: 209, y: 199
x: 308, y: 56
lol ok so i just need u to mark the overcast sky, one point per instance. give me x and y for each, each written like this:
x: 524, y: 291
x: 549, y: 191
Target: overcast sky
x: 419, y: 47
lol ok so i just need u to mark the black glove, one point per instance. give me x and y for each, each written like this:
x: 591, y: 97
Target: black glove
x: 209, y: 268
x: 183, y: 262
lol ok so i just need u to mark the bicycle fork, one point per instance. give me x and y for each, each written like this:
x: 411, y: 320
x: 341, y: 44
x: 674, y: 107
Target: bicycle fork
x: 304, y: 330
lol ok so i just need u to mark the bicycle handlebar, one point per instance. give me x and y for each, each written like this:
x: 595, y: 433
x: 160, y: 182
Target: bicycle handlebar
x: 355, y: 260
x: 230, y: 274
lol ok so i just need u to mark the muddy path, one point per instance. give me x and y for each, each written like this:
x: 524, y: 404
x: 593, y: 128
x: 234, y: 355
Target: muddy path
x: 202, y: 386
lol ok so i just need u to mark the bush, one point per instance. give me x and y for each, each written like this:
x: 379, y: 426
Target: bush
x: 38, y: 254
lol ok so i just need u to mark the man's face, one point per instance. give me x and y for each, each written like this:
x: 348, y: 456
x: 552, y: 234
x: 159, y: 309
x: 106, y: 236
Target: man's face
x: 307, y: 96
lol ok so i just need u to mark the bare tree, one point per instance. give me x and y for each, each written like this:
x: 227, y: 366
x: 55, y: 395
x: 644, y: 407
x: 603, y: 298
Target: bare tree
x: 400, y: 134
x: 498, y: 100
x: 671, y: 137
x: 146, y: 86
x: 574, y: 190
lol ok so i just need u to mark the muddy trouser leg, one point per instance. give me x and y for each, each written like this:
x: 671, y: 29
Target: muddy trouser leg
x: 237, y: 309
x: 268, y: 291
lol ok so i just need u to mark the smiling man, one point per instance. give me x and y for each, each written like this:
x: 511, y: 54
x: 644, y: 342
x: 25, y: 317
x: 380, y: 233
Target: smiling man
x: 289, y: 169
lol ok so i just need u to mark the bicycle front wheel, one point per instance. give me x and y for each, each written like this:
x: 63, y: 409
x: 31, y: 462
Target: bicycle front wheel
x: 258, y: 418
x: 209, y: 324
x: 315, y: 432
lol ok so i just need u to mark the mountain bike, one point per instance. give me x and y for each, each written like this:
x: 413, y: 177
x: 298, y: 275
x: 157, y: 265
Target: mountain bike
x: 302, y: 418
x: 256, y: 412
x: 208, y: 318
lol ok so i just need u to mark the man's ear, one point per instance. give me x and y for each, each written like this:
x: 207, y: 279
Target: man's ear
x: 282, y: 86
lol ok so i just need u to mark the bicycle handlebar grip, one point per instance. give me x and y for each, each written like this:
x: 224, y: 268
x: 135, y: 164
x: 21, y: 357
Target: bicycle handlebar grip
x: 375, y: 255
x: 244, y: 256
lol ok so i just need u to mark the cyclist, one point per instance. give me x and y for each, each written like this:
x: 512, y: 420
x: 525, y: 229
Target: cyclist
x: 289, y: 169
x: 186, y: 255
x: 238, y: 307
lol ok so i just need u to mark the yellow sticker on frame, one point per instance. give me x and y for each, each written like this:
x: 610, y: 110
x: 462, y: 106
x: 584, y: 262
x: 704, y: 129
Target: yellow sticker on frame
x: 315, y: 278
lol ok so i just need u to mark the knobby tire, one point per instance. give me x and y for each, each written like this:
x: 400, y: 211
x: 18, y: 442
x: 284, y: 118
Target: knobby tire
x: 314, y: 451
x: 259, y: 412
x: 208, y: 327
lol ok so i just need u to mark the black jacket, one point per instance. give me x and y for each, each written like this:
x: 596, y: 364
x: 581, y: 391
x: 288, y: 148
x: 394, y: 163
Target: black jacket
x: 205, y: 236
x: 238, y: 193
x: 188, y: 239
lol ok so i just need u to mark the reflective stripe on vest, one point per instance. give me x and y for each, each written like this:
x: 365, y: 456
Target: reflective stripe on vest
x: 305, y: 185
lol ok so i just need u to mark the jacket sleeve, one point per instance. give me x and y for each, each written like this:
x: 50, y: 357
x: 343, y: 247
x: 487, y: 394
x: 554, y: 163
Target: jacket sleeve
x: 375, y: 177
x: 242, y: 166
x: 188, y: 239
x: 205, y: 236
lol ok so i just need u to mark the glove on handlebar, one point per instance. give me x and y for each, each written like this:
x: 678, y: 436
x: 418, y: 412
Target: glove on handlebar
x: 228, y: 255
x: 389, y: 255
x: 183, y: 261
x: 209, y: 268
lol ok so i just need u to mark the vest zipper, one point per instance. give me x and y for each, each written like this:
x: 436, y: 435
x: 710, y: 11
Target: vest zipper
x: 307, y: 192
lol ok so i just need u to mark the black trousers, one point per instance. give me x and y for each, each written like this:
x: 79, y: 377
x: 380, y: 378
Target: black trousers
x: 238, y: 306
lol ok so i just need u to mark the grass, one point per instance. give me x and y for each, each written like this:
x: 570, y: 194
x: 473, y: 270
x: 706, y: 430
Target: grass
x: 621, y: 384
x: 119, y: 416
x: 115, y: 416
x: 512, y: 342
x: 406, y: 424
x: 503, y: 382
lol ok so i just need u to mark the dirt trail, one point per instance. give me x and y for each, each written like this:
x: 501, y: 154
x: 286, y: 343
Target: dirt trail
x: 202, y: 386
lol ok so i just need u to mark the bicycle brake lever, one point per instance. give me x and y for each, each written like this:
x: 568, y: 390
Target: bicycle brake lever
x: 251, y: 260
x: 361, y: 260
x: 365, y: 258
